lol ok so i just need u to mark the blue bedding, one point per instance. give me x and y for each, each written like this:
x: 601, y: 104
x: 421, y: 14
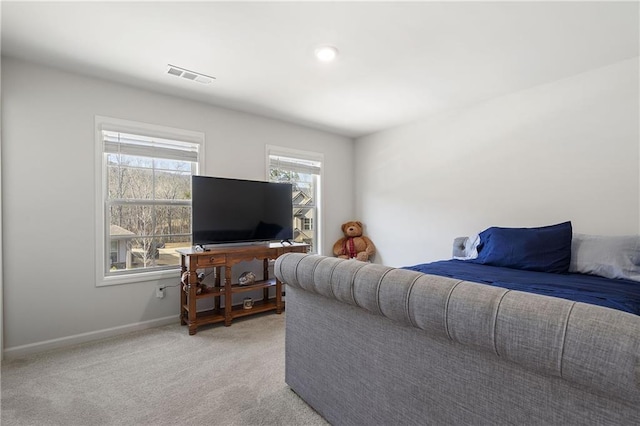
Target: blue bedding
x: 623, y: 295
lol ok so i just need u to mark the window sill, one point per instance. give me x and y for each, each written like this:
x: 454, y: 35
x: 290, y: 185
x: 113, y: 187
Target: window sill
x: 138, y: 277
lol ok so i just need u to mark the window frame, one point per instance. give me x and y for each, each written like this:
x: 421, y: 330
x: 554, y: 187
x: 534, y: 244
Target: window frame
x: 318, y: 223
x: 101, y: 238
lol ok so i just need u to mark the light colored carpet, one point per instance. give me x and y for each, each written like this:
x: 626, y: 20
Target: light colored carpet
x: 162, y: 376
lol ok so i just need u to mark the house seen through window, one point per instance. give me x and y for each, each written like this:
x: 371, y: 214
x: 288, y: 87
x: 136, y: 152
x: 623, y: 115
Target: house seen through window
x: 304, y: 174
x: 147, y: 201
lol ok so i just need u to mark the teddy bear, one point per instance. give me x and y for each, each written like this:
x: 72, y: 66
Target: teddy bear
x: 353, y: 245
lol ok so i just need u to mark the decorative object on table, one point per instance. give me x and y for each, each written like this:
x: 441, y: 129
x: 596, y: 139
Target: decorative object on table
x: 247, y: 303
x: 247, y: 278
x: 200, y: 288
x: 354, y: 245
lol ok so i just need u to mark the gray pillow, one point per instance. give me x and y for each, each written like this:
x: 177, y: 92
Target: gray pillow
x: 606, y: 256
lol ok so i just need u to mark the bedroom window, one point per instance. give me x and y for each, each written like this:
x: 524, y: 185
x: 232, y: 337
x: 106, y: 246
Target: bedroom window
x: 304, y: 171
x: 307, y: 224
x: 144, y: 207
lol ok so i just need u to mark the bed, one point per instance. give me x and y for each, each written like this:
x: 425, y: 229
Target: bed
x: 371, y: 344
x: 620, y: 294
x: 599, y: 270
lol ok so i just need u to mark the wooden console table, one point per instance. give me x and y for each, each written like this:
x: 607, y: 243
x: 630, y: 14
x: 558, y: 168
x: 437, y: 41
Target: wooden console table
x: 227, y: 257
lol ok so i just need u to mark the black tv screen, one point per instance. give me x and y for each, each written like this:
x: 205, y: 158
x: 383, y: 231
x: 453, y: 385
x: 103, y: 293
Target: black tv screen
x: 237, y: 211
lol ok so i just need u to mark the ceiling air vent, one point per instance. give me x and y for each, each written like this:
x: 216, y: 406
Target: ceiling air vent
x: 189, y: 75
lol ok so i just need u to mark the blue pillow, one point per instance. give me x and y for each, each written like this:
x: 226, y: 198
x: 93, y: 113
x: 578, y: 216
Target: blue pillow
x: 544, y: 249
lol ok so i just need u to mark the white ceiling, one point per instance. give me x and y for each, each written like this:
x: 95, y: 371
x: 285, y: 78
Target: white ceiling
x: 398, y: 62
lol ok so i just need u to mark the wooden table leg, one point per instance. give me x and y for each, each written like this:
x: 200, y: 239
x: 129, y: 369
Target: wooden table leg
x: 265, y: 277
x: 278, y: 296
x: 228, y: 303
x: 216, y: 302
x: 192, y: 286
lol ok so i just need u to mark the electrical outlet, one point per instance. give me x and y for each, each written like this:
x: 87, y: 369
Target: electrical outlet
x: 159, y: 292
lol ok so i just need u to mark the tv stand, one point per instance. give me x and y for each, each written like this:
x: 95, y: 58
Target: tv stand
x: 191, y: 260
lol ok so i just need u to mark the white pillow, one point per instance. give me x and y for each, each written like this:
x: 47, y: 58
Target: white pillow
x: 470, y: 248
x: 607, y: 256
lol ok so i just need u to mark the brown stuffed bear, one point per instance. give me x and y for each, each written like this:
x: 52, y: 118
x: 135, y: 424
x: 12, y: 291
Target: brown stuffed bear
x: 353, y: 244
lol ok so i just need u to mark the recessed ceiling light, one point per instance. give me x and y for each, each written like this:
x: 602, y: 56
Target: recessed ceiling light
x: 189, y: 75
x: 326, y: 53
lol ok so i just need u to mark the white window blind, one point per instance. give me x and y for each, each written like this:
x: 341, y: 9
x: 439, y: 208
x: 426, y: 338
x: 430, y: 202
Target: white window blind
x: 143, y: 146
x: 295, y: 165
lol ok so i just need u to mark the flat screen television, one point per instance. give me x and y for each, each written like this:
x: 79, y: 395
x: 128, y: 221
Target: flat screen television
x: 228, y: 211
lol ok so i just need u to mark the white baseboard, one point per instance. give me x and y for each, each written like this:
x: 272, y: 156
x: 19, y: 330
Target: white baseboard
x: 32, y: 348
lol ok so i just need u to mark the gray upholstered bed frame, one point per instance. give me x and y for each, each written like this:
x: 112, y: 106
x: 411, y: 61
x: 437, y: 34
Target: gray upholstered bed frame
x: 372, y: 345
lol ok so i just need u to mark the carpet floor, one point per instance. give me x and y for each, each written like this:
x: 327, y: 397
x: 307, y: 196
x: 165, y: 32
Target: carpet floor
x: 161, y: 376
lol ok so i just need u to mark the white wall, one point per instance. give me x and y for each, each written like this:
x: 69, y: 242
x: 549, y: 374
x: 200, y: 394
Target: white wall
x: 50, y: 298
x: 562, y: 151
